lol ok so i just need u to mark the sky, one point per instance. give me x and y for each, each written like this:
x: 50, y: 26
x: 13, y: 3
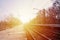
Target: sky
x: 22, y: 9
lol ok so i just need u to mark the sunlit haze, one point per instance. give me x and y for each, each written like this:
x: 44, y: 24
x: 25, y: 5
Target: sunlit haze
x: 22, y: 9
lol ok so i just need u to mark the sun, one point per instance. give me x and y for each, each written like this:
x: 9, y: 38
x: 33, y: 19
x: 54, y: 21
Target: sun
x: 26, y: 18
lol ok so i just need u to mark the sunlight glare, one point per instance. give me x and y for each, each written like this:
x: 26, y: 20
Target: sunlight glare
x: 27, y: 13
